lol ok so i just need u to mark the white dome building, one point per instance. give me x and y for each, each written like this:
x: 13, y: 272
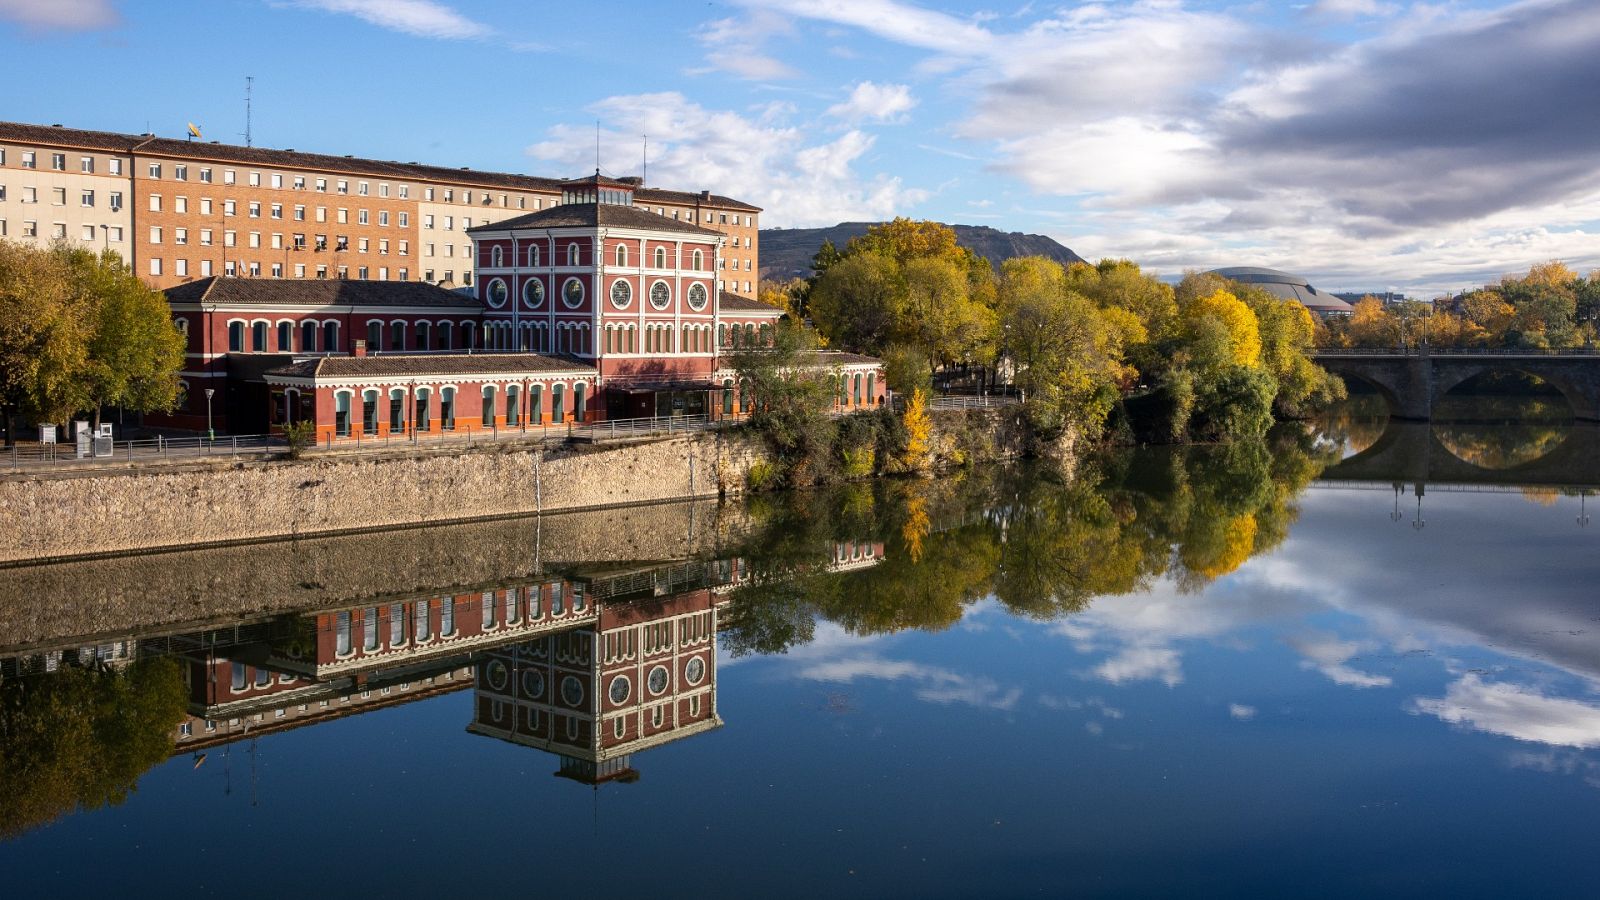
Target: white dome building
x: 1289, y: 287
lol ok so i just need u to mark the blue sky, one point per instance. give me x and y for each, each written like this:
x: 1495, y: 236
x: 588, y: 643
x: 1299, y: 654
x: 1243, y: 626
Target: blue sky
x: 1368, y: 144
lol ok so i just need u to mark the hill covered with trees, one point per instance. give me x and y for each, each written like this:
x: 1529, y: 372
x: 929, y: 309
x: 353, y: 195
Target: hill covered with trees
x: 787, y: 252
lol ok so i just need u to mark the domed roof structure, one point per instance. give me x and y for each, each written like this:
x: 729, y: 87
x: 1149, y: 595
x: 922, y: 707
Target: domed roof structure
x: 1289, y: 287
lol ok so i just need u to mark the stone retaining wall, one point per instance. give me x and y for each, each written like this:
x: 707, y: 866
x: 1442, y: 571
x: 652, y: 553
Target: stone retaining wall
x: 48, y: 517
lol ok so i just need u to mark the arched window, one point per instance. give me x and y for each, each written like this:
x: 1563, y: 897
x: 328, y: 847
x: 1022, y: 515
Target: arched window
x: 469, y: 335
x: 330, y: 337
x: 447, y: 408
x: 446, y: 337
x: 766, y: 335
x: 487, y: 419
x: 397, y: 336
x: 235, y: 337
x: 687, y: 342
x: 722, y: 334
x: 580, y: 397
x: 872, y: 387
x: 341, y: 413
x: 258, y: 337
x: 858, y: 388
x: 572, y: 255
x: 285, y: 337
x: 727, y: 396
x: 699, y: 260
x: 533, y: 256
x: 622, y: 255
x: 536, y: 404
x: 661, y: 257
x: 749, y: 334
x: 497, y: 258
x: 513, y: 405
x: 374, y: 335
x: 397, y: 410
x: 422, y: 419
x: 557, y: 403
x: 308, y: 337
x: 423, y: 336
x: 369, y: 412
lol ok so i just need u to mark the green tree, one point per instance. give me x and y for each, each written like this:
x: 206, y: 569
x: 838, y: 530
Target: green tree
x: 80, y: 738
x: 78, y: 332
x: 790, y: 396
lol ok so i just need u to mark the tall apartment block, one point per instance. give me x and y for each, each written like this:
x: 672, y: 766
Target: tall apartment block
x: 182, y: 210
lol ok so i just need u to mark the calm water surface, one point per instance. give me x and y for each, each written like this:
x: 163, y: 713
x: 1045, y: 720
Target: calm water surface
x: 1263, y: 669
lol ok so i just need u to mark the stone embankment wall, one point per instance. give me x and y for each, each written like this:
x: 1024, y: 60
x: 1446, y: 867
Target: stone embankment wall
x: 87, y: 513
x: 79, y: 602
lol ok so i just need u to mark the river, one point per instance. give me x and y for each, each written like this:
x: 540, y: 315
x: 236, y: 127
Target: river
x: 1262, y: 669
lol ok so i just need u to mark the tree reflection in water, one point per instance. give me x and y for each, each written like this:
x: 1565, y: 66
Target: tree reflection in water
x: 1042, y: 545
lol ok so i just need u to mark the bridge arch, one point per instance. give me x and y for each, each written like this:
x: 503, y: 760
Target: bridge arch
x: 1451, y: 376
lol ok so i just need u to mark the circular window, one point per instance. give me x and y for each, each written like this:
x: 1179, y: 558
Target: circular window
x: 660, y: 295
x: 532, y: 684
x: 572, y: 292
x: 620, y: 688
x: 497, y: 293
x: 695, y: 670
x: 621, y: 295
x: 571, y: 690
x: 497, y: 674
x: 533, y: 293
x: 658, y: 679
x: 697, y: 297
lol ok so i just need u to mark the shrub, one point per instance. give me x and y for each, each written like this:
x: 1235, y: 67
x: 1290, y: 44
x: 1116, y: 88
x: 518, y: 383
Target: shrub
x: 859, y: 462
x: 763, y: 476
x: 300, y: 435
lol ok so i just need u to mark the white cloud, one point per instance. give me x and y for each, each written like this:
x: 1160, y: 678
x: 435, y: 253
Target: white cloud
x: 1350, y: 9
x: 422, y: 18
x: 1142, y: 664
x: 761, y: 158
x: 1515, y: 711
x: 1329, y: 655
x: 1241, y: 712
x: 936, y: 685
x: 71, y: 15
x: 875, y: 103
x: 901, y: 23
x: 737, y: 45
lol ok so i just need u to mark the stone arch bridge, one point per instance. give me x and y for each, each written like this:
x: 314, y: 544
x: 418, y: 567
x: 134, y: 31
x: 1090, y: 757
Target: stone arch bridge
x: 1413, y: 381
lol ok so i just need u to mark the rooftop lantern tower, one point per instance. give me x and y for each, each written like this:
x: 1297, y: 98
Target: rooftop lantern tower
x: 599, y: 189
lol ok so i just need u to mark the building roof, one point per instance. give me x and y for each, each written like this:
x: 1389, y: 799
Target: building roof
x: 1286, y: 286
x: 318, y: 292
x: 428, y: 364
x: 118, y: 142
x: 594, y: 215
x: 727, y: 302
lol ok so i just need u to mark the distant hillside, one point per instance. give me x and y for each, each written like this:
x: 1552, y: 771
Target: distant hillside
x: 787, y: 252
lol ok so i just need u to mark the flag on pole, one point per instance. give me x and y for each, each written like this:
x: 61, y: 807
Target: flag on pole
x: 194, y: 130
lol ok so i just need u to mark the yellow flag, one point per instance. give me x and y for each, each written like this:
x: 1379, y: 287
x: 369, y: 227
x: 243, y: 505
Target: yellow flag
x: 194, y: 129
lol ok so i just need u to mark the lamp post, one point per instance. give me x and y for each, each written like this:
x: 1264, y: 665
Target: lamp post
x: 210, y: 434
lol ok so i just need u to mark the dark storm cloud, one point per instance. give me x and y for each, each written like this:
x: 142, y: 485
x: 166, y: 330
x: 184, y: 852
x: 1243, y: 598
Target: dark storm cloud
x: 1456, y: 124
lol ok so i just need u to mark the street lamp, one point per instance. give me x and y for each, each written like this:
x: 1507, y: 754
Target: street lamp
x: 211, y: 434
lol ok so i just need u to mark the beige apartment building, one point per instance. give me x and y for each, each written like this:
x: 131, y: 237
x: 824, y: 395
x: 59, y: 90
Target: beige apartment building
x: 180, y: 210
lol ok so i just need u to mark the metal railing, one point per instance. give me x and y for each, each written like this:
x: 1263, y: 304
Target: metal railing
x: 957, y: 401
x: 1454, y: 351
x: 618, y: 429
x: 105, y: 452
x: 360, y: 440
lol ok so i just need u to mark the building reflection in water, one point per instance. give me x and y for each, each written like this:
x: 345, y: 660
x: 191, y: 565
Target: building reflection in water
x: 592, y: 667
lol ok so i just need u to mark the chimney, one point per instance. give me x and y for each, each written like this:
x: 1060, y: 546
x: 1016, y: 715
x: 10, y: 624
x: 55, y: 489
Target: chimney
x: 360, y: 348
x: 705, y: 196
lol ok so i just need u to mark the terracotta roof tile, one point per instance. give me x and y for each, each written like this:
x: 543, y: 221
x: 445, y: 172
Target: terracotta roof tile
x: 319, y: 292
x: 591, y: 215
x: 727, y: 302
x: 401, y: 364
